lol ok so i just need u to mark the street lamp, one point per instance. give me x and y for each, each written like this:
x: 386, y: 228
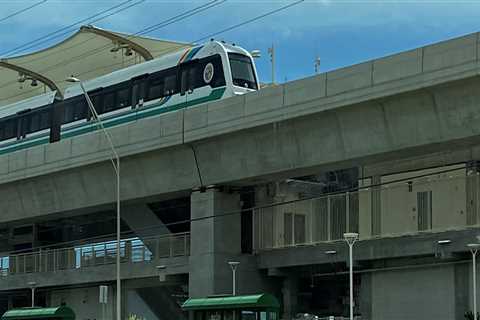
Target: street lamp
x: 162, y: 273
x: 351, y: 238
x: 32, y: 285
x: 474, y: 247
x: 234, y: 265
x: 116, y: 167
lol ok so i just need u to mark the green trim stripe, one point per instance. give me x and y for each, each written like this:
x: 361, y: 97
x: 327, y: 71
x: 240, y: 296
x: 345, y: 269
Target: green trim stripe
x: 113, y: 121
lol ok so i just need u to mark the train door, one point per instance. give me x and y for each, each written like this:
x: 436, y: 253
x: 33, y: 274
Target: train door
x: 188, y: 76
x: 139, y: 91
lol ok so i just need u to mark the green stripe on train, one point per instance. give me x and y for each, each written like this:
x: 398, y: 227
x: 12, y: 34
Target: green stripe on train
x: 90, y: 127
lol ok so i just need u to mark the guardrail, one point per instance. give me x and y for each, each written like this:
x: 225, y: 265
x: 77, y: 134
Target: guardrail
x: 133, y: 250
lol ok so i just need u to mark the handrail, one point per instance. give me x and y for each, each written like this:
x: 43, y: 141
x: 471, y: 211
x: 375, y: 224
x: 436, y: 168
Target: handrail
x: 132, y: 250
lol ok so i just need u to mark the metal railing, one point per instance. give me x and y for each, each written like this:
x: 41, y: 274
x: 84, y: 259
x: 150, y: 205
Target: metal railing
x: 438, y: 202
x: 133, y: 250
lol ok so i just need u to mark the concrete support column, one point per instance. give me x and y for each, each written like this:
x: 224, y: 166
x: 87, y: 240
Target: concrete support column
x: 215, y: 240
x: 290, y: 297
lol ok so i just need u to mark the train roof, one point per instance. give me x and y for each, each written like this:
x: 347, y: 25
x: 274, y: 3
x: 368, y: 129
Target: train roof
x: 31, y: 103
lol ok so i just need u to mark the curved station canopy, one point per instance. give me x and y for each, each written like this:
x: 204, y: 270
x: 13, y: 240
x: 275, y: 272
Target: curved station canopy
x: 89, y: 53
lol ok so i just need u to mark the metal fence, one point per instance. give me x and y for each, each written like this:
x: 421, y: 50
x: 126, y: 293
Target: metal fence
x: 306, y: 222
x: 96, y: 254
x: 381, y: 208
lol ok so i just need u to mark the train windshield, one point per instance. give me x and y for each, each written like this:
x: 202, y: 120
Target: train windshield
x: 242, y: 71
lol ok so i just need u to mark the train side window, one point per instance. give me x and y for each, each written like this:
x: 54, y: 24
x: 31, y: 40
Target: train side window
x: 34, y: 122
x: 10, y: 129
x: 171, y: 87
x: 108, y: 101
x: 123, y: 97
x: 80, y: 110
x: 156, y: 88
x: 97, y: 104
x: 45, y: 119
x: 68, y: 112
x: 138, y: 91
x: 188, y: 77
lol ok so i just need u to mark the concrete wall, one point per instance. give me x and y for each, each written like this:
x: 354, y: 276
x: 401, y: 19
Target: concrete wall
x: 398, y: 201
x: 85, y: 302
x: 415, y: 294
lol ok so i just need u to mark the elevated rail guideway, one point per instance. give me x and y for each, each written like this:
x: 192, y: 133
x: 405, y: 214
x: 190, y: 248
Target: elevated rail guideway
x: 412, y: 103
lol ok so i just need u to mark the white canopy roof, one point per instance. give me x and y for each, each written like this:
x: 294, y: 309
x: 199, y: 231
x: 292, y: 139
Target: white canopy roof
x: 89, y: 53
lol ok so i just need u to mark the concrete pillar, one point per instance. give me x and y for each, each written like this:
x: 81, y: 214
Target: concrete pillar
x: 215, y: 240
x: 290, y: 297
x: 364, y: 299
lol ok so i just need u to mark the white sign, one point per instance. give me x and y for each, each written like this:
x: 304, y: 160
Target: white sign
x: 103, y: 297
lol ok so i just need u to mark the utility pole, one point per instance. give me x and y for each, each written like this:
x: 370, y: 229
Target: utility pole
x: 317, y: 65
x: 271, y: 51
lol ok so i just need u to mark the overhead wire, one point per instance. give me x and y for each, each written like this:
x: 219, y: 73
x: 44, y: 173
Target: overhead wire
x: 257, y: 207
x: 16, y: 13
x: 67, y: 29
x: 167, y: 22
x: 166, y: 51
x: 269, y: 13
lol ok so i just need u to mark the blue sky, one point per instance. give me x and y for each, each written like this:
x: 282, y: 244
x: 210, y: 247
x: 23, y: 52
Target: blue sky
x: 340, y: 32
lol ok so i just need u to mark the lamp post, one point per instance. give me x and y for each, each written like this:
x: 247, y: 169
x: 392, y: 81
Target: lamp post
x: 116, y: 167
x: 351, y: 238
x: 234, y: 265
x: 32, y: 285
x: 474, y: 247
x: 271, y: 51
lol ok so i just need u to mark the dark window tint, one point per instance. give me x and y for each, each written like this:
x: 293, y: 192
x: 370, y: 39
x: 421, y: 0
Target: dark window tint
x: 192, y: 75
x: 108, y: 101
x: 156, y: 88
x: 242, y: 71
x: 170, y: 83
x: 8, y: 129
x: 123, y: 98
x: 38, y: 121
x: 74, y: 109
x: 138, y: 91
x: 162, y: 84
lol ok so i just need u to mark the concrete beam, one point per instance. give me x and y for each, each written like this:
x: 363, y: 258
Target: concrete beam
x: 104, y: 273
x: 368, y: 250
x: 429, y: 106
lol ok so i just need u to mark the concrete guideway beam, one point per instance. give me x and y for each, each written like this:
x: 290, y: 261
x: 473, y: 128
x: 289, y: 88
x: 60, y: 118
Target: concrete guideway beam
x: 396, y: 127
x: 289, y: 130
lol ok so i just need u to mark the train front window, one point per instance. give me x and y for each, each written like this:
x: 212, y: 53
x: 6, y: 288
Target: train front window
x: 242, y: 71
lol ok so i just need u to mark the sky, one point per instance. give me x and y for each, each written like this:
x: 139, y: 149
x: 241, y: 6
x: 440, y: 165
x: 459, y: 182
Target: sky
x: 339, y: 32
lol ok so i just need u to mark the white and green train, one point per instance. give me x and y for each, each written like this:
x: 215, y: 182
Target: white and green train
x: 185, y: 78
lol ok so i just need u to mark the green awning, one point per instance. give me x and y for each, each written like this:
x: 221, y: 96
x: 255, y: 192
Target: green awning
x: 39, y: 313
x: 261, y: 301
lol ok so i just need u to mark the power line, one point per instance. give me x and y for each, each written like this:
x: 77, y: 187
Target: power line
x: 22, y: 10
x: 149, y: 29
x: 166, y: 51
x: 259, y: 207
x: 65, y: 30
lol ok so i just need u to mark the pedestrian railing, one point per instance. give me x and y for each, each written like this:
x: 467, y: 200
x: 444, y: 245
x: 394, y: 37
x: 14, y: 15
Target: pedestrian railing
x: 132, y: 250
